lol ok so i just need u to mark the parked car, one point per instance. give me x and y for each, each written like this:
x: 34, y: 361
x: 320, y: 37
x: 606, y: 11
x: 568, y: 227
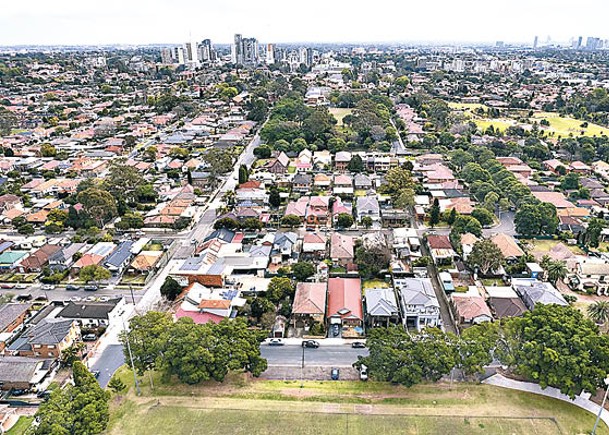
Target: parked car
x: 48, y: 287
x: 90, y: 288
x: 95, y: 373
x: 358, y: 345
x: 72, y: 288
x: 363, y: 373
x: 18, y: 392
x: 44, y: 394
x: 276, y: 342
x: 7, y: 286
x: 21, y: 286
x: 24, y: 297
x: 334, y: 374
x: 89, y: 337
x: 310, y: 343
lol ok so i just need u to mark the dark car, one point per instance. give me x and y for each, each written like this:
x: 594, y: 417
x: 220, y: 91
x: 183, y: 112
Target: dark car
x: 44, y: 394
x: 18, y: 392
x: 334, y: 374
x: 95, y: 373
x: 358, y: 345
x: 72, y: 288
x: 89, y: 337
x: 24, y: 297
x: 90, y: 288
x: 310, y: 343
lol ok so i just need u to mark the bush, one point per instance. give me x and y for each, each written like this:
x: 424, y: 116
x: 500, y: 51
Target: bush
x: 317, y: 329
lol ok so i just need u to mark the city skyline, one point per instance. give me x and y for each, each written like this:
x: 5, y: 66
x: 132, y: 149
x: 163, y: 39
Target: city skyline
x: 159, y: 21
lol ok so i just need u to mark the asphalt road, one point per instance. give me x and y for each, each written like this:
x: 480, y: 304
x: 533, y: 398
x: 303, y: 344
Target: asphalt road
x: 330, y: 356
x: 108, y: 362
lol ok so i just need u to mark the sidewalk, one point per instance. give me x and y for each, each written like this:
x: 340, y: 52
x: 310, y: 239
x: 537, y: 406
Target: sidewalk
x: 581, y: 400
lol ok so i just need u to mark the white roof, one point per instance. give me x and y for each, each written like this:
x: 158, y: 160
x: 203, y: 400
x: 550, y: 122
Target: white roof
x: 500, y: 292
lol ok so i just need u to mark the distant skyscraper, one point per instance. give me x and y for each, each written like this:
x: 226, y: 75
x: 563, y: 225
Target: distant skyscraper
x: 499, y: 44
x: 579, y: 42
x: 167, y: 56
x: 536, y: 42
x: 244, y: 51
x: 270, y: 54
x: 306, y: 56
x: 206, y: 52
x: 593, y: 43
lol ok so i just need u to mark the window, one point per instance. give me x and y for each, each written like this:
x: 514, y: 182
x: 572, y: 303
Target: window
x: 51, y: 346
x: 37, y: 346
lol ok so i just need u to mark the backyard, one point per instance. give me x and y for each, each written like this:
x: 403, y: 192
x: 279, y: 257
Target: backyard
x: 317, y: 407
x: 339, y: 113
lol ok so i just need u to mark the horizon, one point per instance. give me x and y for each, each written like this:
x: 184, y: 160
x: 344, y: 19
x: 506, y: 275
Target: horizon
x: 73, y: 23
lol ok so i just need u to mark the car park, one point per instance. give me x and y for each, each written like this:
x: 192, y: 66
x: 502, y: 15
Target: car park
x: 276, y: 342
x: 358, y: 345
x: 310, y: 344
x: 335, y: 374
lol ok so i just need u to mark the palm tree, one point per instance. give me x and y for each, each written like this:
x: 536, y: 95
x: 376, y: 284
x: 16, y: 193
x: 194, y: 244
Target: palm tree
x: 557, y: 270
x: 599, y: 312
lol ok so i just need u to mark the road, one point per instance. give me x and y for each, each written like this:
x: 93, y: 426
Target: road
x: 108, y: 362
x: 505, y: 226
x: 330, y: 356
x: 108, y: 358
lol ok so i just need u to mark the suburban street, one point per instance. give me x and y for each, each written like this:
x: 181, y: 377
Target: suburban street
x: 108, y: 362
x: 330, y: 356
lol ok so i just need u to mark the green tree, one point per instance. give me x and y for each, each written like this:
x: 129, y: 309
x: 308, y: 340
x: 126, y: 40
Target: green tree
x: 570, y: 181
x: 94, y: 272
x: 278, y: 289
x: 170, y: 289
x: 226, y: 222
x: 262, y: 152
x: 344, y: 220
x: 218, y: 162
x: 401, y: 357
x: 486, y: 256
x: 116, y: 385
x: 303, y: 270
x: 434, y: 213
x: 274, y: 198
x: 179, y: 153
x: 483, y: 216
x: 146, y: 336
x: 476, y: 345
x: 243, y: 174
x: 557, y: 270
x: 556, y: 346
x: 79, y: 409
x: 290, y: 221
x: 598, y: 312
x: 8, y: 121
x: 372, y: 259
x: 47, y: 150
x: 396, y: 180
x: 356, y: 164
x: 367, y: 222
x: 98, y: 203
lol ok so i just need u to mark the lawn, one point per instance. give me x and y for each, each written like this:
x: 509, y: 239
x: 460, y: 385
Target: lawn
x: 339, y: 113
x: 497, y: 123
x: 546, y: 245
x: 563, y: 126
x: 283, y: 406
x: 21, y: 426
x: 374, y: 283
x: 466, y: 106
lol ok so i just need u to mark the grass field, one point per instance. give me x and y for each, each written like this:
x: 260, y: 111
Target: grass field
x: 562, y: 126
x: 546, y: 245
x: 466, y: 106
x: 21, y: 426
x: 244, y: 406
x: 339, y: 113
x: 374, y: 283
x: 497, y: 123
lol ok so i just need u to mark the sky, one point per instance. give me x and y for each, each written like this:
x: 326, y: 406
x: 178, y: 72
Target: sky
x: 83, y: 22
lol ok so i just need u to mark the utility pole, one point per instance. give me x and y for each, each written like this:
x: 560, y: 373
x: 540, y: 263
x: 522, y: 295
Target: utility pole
x: 137, y: 385
x: 600, y: 411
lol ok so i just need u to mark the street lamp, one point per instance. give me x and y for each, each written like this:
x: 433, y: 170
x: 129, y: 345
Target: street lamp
x: 600, y: 411
x: 137, y: 385
x: 302, y: 368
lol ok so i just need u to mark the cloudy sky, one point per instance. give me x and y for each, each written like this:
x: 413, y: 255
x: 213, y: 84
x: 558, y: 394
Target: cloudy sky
x: 172, y: 21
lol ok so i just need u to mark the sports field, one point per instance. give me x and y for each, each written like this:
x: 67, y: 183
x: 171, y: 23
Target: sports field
x: 562, y: 126
x: 339, y: 113
x: 245, y: 406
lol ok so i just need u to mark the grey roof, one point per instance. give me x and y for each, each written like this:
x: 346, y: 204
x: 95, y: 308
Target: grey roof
x: 88, y: 310
x: 381, y: 302
x: 67, y: 252
x: 121, y: 254
x: 10, y: 312
x: 192, y: 264
x: 302, y: 179
x: 507, y: 307
x: 17, y: 369
x: 260, y: 251
x: 417, y: 291
x: 222, y: 234
x: 362, y: 179
x: 536, y: 292
x: 368, y: 203
x: 48, y: 331
x: 282, y: 239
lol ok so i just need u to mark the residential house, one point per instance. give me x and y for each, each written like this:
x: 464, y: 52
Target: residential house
x: 362, y: 182
x: 145, y: 262
x: 317, y: 210
x: 201, y: 180
x: 302, y: 183
x: 341, y: 160
x: 204, y: 304
x: 553, y: 165
x: 9, y: 260
x: 298, y: 208
x: 47, y: 339
x: 64, y: 258
x: 309, y: 305
x: 35, y: 262
x: 12, y: 317
x: 467, y: 244
x: 343, y: 185
x: 341, y: 249
x: 440, y: 248
x: 284, y: 247
x: 418, y: 302
x: 345, y: 307
x: 322, y: 182
x: 470, y: 309
x: 21, y: 373
x: 592, y: 275
x: 278, y: 165
x: 504, y: 302
x: 535, y: 292
x: 120, y: 258
x: 94, y: 314
x: 508, y: 247
x: 381, y: 307
x: 368, y: 206
x: 314, y: 245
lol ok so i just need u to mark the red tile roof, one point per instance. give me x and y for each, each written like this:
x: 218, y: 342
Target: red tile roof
x: 345, y: 298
